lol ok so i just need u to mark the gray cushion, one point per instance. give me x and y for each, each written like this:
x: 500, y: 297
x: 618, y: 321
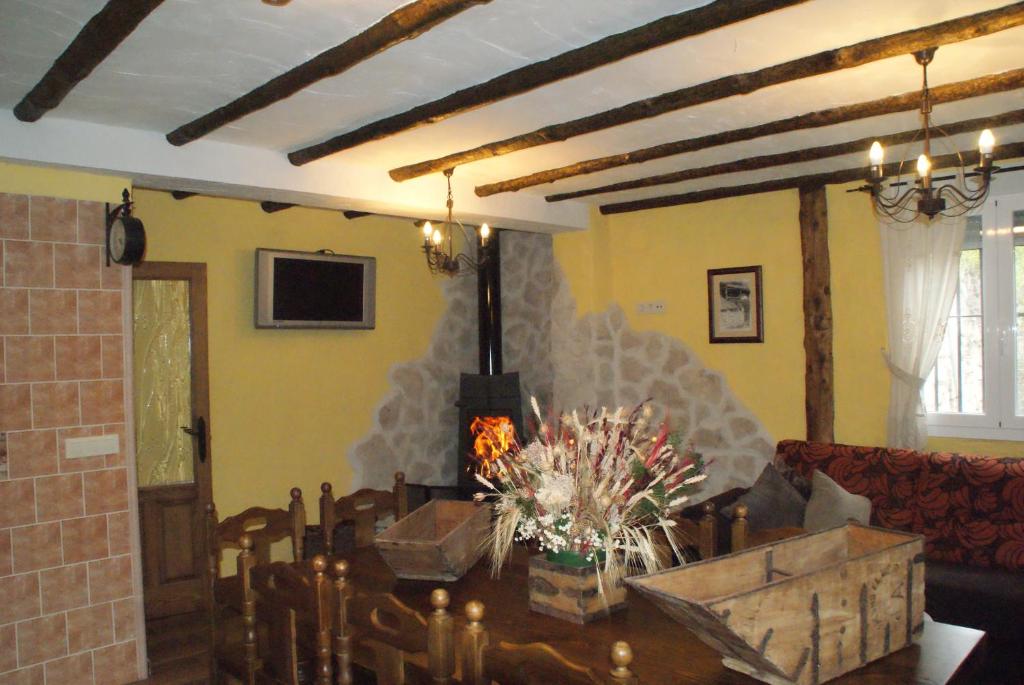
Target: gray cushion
x: 771, y: 503
x: 830, y: 505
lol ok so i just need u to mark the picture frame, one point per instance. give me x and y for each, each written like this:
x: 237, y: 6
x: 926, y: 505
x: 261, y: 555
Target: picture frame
x: 735, y: 305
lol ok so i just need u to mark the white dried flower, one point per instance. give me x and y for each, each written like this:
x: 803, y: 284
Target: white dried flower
x: 555, y: 492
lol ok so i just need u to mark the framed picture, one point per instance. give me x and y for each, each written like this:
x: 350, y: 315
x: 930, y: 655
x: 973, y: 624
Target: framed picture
x: 734, y: 305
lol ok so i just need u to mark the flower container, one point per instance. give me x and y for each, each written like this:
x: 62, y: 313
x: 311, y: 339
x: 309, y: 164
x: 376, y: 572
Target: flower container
x: 439, y: 541
x: 804, y: 610
x: 570, y: 591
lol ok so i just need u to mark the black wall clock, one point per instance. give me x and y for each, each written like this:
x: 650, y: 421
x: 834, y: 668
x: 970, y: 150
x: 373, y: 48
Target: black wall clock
x: 126, y: 236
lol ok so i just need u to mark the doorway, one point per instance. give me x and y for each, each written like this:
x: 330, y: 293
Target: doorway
x: 172, y: 429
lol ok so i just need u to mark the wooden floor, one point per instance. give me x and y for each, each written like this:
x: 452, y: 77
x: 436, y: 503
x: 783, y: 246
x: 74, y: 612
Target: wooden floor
x: 178, y: 649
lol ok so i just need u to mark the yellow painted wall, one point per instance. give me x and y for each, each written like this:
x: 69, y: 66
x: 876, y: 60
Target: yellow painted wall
x: 664, y: 254
x: 858, y: 316
x: 22, y: 179
x: 287, y: 405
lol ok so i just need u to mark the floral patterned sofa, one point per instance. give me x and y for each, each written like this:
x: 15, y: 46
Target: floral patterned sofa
x: 970, y: 511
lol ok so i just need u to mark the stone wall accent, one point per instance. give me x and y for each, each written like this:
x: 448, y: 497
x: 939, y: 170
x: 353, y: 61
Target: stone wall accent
x: 566, y: 362
x: 416, y: 425
x: 600, y: 361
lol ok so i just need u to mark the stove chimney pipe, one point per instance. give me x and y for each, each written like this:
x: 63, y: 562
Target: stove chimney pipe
x: 488, y: 297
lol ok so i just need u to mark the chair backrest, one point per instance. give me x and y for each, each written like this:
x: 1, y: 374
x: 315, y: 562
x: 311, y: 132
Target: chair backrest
x: 264, y: 526
x: 389, y: 630
x: 744, y: 536
x: 703, y: 533
x: 294, y: 604
x: 534, y: 663
x: 364, y: 508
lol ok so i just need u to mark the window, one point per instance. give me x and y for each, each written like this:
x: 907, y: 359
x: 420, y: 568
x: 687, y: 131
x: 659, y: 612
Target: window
x: 977, y: 386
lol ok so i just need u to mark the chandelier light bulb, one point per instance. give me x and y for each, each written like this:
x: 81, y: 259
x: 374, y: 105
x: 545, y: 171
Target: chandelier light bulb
x: 986, y: 141
x: 436, y: 237
x: 485, y: 231
x: 876, y: 154
x: 428, y: 230
x: 924, y: 166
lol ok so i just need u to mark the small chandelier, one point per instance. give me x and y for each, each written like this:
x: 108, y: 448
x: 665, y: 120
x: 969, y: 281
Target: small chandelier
x: 952, y: 199
x: 439, y: 242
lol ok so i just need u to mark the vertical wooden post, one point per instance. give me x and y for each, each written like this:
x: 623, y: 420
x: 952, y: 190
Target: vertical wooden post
x: 297, y: 508
x: 321, y: 595
x: 739, y: 528
x: 622, y: 657
x: 327, y: 519
x: 342, y: 632
x: 246, y: 560
x: 819, y: 399
x: 474, y: 641
x: 401, y: 496
x: 440, y: 639
x: 708, y: 542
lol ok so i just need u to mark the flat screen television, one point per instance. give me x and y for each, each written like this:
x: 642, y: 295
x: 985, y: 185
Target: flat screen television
x: 314, y: 290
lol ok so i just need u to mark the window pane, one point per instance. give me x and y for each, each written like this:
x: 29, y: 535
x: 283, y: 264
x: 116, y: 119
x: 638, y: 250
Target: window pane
x: 969, y: 291
x: 971, y: 381
x: 956, y: 384
x: 947, y: 371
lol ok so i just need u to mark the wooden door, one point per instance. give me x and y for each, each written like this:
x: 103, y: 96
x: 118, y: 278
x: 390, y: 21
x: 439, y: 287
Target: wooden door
x: 172, y: 428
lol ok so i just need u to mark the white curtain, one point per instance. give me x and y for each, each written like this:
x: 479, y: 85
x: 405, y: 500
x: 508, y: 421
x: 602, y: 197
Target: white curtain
x: 921, y: 262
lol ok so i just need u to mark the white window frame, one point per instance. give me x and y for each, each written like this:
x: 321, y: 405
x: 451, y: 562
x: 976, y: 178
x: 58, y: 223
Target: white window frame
x: 999, y: 421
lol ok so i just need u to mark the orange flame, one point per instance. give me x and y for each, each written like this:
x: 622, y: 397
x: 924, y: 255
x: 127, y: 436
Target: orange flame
x: 492, y: 437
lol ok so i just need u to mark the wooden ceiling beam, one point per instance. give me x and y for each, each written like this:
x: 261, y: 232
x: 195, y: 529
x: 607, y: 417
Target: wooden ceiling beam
x: 905, y: 42
x: 572, y: 63
x: 1005, y: 151
x: 97, y: 39
x: 403, y: 24
x: 270, y: 207
x: 796, y: 156
x: 950, y: 92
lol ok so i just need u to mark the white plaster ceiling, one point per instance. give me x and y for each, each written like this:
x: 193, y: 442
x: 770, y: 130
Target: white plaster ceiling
x: 191, y: 56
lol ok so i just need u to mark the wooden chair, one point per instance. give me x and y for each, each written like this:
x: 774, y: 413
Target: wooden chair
x: 364, y: 508
x: 261, y: 527
x: 378, y: 630
x: 293, y: 603
x: 536, y: 663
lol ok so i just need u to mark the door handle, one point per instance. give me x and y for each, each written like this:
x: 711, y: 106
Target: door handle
x: 199, y: 433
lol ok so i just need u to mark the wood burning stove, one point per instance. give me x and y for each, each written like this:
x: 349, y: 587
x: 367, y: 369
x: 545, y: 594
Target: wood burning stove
x: 491, y: 401
x: 484, y: 401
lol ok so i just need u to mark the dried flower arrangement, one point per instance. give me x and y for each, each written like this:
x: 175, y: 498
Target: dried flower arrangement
x: 597, y: 484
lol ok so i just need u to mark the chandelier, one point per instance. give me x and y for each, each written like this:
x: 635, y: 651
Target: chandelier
x: 966, y: 192
x: 439, y: 242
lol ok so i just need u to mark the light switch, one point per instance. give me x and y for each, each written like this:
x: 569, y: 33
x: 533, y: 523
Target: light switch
x: 94, y: 446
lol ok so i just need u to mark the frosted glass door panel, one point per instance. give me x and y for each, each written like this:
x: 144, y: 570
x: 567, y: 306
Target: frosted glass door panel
x: 163, y: 382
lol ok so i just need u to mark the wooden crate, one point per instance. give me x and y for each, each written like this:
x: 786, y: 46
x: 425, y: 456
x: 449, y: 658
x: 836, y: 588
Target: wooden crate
x: 571, y: 592
x: 439, y: 541
x: 803, y: 610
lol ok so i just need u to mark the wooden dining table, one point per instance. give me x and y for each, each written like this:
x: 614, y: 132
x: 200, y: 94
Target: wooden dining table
x: 665, y: 653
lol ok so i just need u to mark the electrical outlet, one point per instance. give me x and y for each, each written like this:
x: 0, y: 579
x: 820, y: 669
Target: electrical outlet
x: 653, y: 307
x: 92, y: 446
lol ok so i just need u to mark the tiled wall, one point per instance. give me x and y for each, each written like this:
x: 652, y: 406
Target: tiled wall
x: 67, y: 602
